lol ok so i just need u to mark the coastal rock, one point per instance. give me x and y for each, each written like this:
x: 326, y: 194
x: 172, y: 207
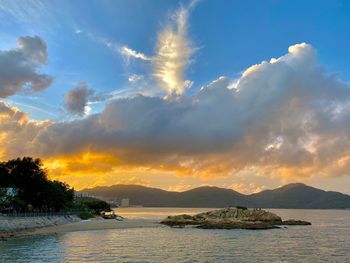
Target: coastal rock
x: 234, y: 224
x: 242, y: 214
x: 292, y: 222
x: 182, y: 220
x: 231, y: 218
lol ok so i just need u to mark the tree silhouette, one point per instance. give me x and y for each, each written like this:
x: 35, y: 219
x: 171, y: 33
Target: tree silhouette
x: 29, y: 178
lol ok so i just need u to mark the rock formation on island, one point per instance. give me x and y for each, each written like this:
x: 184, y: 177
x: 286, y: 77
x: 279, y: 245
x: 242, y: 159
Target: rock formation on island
x: 231, y: 218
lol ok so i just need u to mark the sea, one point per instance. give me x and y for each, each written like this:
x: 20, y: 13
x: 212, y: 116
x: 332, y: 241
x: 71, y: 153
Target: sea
x: 327, y: 240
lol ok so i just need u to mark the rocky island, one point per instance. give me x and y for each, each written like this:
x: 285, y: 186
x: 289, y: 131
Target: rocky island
x: 232, y: 218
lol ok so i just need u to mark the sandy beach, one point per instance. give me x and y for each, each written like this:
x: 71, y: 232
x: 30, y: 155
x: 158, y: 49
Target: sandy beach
x: 98, y: 224
x: 85, y: 225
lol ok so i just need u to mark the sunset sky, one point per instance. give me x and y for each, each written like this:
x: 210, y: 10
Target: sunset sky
x: 248, y: 95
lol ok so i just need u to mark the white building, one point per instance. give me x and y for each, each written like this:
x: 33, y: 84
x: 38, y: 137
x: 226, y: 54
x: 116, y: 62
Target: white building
x: 81, y: 194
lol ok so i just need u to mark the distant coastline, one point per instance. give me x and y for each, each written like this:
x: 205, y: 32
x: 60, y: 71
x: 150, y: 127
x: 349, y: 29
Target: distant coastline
x: 291, y: 196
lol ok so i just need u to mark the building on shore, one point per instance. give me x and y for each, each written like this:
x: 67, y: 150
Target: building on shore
x: 81, y: 194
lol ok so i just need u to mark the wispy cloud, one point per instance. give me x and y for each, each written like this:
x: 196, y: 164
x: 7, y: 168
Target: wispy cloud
x: 39, y: 16
x: 123, y: 50
x: 34, y: 108
x: 128, y: 52
x: 174, y: 51
x: 135, y: 78
x: 25, y: 11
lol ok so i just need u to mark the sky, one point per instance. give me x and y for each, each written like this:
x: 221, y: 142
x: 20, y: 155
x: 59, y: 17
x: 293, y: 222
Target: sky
x: 248, y: 95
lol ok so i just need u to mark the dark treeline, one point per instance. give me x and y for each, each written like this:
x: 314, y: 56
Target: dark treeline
x: 31, y: 188
x: 24, y: 186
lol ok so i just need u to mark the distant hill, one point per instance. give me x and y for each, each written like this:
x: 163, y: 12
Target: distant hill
x: 138, y: 195
x: 210, y: 197
x: 288, y: 196
x: 300, y: 196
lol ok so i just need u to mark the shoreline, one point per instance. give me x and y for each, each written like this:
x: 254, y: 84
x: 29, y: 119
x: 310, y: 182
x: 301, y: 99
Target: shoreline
x: 93, y: 224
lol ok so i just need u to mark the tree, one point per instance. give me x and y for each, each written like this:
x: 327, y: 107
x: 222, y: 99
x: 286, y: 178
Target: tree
x: 29, y: 177
x: 3, y: 198
x: 94, y: 204
x: 59, y: 195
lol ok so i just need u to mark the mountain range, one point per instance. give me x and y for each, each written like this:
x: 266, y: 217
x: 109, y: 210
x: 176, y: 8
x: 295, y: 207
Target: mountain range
x: 294, y: 195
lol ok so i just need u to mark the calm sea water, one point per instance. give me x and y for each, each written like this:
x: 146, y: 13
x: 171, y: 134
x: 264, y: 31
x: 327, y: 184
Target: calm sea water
x: 327, y: 240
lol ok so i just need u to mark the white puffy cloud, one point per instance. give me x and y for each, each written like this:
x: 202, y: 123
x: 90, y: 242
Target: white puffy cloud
x: 76, y: 100
x: 285, y: 118
x: 19, y: 67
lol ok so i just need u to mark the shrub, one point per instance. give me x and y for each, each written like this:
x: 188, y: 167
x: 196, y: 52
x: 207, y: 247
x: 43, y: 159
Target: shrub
x: 93, y: 204
x: 85, y: 215
x: 241, y: 207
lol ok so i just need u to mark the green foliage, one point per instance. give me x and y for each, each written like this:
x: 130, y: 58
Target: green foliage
x: 85, y: 215
x: 35, y: 190
x: 241, y: 207
x: 3, y: 195
x: 59, y: 195
x: 3, y: 199
x: 17, y: 204
x: 94, y: 204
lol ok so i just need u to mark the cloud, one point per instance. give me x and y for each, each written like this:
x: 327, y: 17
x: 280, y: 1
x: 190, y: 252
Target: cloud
x: 76, y: 100
x: 135, y: 78
x: 286, y: 118
x: 128, y: 52
x: 19, y: 67
x: 123, y: 50
x: 17, y: 132
x: 173, y: 55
